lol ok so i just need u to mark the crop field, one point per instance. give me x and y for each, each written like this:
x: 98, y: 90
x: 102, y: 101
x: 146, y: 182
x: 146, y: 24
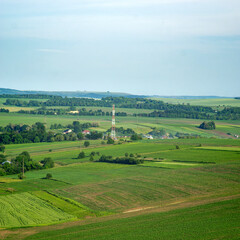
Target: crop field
x: 27, y: 210
x: 212, y: 221
x: 203, y: 102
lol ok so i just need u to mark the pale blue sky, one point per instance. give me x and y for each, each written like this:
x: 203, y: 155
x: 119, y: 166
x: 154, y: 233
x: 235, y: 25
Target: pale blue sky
x: 164, y: 47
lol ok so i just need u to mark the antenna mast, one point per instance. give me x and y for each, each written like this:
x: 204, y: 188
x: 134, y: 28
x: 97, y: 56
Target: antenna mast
x: 113, y: 133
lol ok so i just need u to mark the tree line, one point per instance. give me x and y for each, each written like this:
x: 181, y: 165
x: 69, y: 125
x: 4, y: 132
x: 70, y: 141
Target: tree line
x: 18, y: 133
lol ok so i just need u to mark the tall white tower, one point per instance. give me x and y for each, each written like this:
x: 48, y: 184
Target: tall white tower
x: 113, y: 133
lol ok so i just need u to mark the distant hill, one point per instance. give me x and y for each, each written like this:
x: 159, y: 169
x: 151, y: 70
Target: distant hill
x: 84, y: 94
x: 99, y: 95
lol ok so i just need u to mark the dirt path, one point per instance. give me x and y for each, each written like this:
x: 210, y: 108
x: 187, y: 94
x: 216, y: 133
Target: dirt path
x: 19, y: 234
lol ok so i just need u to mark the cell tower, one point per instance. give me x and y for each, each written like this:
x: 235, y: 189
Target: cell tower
x: 113, y: 133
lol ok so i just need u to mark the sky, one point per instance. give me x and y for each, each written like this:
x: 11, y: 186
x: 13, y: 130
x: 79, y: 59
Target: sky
x: 154, y: 47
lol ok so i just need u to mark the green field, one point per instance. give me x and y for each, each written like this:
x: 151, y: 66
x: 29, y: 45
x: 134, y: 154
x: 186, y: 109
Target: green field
x: 203, y: 102
x: 184, y: 189
x: 212, y: 221
x: 138, y: 124
x: 27, y: 210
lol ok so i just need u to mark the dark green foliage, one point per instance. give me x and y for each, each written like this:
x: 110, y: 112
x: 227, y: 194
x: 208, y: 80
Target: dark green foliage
x: 47, y: 163
x: 2, y: 148
x: 91, y: 158
x: 121, y: 131
x: 126, y: 154
x: 48, y: 176
x: 123, y: 160
x: 94, y: 135
x: 208, y: 125
x: 4, y: 110
x: 110, y: 141
x: 21, y: 176
x: 81, y: 155
x: 136, y: 137
x: 37, y: 133
x: 177, y: 147
x: 86, y: 144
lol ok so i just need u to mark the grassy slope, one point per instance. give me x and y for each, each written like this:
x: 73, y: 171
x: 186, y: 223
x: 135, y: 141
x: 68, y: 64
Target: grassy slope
x: 212, y: 221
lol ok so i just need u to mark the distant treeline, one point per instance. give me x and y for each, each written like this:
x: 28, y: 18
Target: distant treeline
x: 237, y: 97
x: 29, y: 96
x: 79, y: 112
x: 161, y: 109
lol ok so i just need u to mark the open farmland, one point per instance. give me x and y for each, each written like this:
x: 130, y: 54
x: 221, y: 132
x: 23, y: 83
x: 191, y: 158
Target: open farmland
x: 223, y: 102
x: 27, y: 210
x: 192, y: 180
x: 211, y: 221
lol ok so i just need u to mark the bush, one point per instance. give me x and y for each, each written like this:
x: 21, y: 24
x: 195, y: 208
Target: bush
x: 48, y: 176
x: 2, y: 148
x: 177, y: 147
x: 21, y: 176
x: 208, y: 125
x: 136, y: 137
x: 102, y: 142
x: 50, y: 150
x: 81, y: 155
x: 86, y: 144
x: 110, y: 141
x: 47, y: 163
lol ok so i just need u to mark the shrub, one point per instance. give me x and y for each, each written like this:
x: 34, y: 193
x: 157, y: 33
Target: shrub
x: 177, y: 147
x: 86, y: 144
x: 110, y: 141
x: 48, y: 176
x: 21, y: 176
x: 81, y: 155
x: 47, y: 163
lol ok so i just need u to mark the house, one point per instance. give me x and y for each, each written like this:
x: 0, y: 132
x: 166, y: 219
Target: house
x: 6, y: 162
x: 85, y: 132
x: 67, y: 131
x: 74, y: 112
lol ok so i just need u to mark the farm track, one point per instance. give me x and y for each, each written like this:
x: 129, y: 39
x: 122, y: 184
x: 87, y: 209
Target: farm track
x: 19, y: 234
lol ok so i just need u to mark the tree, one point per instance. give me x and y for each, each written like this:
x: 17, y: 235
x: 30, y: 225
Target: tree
x: 177, y: 147
x: 36, y: 139
x: 81, y: 155
x: 2, y: 148
x: 135, y: 137
x: 110, y: 141
x: 86, y: 144
x: 48, y: 176
x: 47, y: 163
x: 208, y: 125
